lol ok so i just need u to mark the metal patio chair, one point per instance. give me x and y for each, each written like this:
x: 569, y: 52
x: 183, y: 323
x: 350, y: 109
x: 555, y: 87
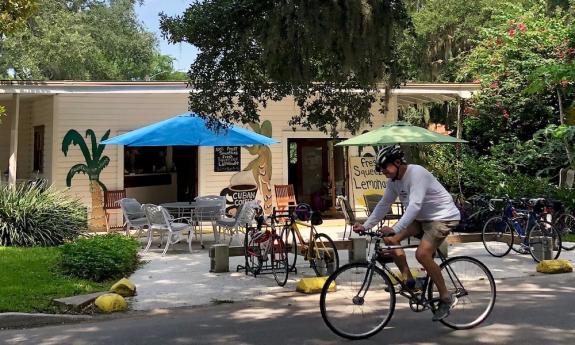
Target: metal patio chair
x: 134, y: 216
x: 160, y: 220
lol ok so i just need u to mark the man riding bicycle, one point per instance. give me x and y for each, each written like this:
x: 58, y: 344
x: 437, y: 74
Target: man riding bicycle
x: 430, y: 214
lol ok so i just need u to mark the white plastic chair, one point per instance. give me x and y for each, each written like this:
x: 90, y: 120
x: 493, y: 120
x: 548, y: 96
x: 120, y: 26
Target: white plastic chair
x: 161, y: 220
x: 134, y: 217
x: 246, y: 214
x: 209, y: 208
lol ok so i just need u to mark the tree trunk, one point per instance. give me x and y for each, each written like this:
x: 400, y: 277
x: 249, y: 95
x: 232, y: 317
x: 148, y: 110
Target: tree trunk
x: 97, y: 220
x: 566, y: 143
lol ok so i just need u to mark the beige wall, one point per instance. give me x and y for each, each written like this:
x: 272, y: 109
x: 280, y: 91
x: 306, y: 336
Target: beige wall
x: 121, y: 112
x: 34, y: 111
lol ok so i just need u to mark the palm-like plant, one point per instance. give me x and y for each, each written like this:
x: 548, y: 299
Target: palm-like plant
x: 94, y: 165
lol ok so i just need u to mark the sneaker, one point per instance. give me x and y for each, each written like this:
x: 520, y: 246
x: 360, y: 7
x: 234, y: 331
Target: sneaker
x: 414, y: 285
x: 443, y: 308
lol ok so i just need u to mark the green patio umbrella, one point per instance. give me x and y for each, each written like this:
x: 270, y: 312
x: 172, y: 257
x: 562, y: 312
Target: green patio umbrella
x: 399, y: 133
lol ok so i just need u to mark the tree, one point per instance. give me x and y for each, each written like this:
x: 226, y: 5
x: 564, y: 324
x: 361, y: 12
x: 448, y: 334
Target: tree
x: 94, y: 165
x: 14, y: 14
x: 80, y: 40
x: 502, y: 62
x: 331, y: 56
x: 444, y: 29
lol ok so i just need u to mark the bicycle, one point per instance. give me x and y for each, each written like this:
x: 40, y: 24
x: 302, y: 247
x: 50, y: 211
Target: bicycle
x: 265, y: 251
x: 364, y: 298
x: 535, y: 235
x: 319, y: 249
x: 563, y: 222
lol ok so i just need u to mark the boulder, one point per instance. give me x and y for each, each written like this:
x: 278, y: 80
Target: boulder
x: 124, y: 287
x: 111, y: 302
x: 313, y: 285
x: 554, y: 266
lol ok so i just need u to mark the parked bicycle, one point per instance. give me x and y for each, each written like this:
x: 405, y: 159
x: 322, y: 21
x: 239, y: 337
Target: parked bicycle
x: 265, y: 251
x: 563, y: 222
x: 319, y: 249
x: 364, y: 297
x: 522, y: 230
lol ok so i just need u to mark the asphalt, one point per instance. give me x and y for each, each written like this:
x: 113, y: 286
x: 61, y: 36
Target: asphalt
x: 182, y: 279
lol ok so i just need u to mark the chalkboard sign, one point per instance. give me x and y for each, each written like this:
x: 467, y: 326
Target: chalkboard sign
x: 227, y: 158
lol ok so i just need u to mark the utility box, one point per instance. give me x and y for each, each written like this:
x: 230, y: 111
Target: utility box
x: 358, y: 252
x: 219, y: 258
x: 542, y: 247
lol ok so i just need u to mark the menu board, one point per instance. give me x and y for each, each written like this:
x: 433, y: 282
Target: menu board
x: 227, y: 158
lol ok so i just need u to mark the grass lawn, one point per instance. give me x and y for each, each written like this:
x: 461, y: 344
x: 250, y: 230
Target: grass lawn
x: 29, y: 280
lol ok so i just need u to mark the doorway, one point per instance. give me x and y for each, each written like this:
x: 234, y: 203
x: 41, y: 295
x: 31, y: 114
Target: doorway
x: 185, y: 159
x: 316, y: 170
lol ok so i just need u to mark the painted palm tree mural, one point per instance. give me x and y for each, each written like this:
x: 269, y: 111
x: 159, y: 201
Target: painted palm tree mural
x: 93, y: 166
x: 261, y: 166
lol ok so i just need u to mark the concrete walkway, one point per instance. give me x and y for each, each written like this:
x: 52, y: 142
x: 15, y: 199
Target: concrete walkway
x: 182, y: 279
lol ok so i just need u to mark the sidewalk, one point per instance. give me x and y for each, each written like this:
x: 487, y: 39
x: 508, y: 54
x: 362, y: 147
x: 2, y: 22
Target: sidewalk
x: 182, y: 279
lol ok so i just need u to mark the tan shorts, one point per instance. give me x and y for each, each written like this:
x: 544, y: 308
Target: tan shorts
x: 434, y: 231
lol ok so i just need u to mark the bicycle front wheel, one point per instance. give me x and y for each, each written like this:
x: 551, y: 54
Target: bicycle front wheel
x: 288, y: 236
x: 279, y: 260
x: 473, y: 285
x: 565, y: 225
x: 359, y: 307
x: 497, y: 236
x: 544, y: 241
x: 323, y: 258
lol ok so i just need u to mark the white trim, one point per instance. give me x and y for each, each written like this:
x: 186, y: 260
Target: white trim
x: 13, y: 160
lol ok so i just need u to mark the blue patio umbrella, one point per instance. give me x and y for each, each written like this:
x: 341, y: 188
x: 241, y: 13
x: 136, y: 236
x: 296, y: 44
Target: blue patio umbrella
x: 188, y: 129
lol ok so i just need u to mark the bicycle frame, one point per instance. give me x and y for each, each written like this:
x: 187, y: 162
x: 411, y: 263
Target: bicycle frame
x: 416, y: 299
x: 293, y: 225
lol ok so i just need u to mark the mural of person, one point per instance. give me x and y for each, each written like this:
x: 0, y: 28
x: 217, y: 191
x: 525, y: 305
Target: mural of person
x: 261, y: 166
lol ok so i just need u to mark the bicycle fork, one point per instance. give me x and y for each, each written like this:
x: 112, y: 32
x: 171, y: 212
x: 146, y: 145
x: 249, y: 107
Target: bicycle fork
x: 359, y: 298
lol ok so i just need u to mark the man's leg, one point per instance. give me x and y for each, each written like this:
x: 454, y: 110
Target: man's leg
x: 424, y: 254
x: 399, y: 254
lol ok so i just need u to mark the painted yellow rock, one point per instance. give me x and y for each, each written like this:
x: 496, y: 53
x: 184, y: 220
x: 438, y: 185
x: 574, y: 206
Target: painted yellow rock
x: 555, y: 266
x: 124, y: 287
x: 313, y: 285
x: 111, y: 302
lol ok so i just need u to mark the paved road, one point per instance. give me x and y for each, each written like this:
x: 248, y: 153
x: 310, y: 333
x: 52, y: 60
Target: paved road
x: 529, y: 310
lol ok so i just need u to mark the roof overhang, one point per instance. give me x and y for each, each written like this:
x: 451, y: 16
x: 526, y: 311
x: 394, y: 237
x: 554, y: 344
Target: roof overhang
x: 407, y: 94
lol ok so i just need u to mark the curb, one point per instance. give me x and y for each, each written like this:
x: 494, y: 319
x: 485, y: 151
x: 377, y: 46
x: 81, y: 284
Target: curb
x: 27, y: 320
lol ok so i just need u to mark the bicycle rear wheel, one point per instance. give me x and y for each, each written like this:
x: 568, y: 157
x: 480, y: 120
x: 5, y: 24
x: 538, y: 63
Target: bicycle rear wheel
x: 324, y: 258
x: 473, y: 285
x: 565, y: 225
x: 544, y: 241
x: 359, y: 307
x: 497, y: 236
x: 279, y: 260
x: 253, y: 251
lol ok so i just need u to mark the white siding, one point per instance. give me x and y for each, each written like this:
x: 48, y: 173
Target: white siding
x: 101, y: 112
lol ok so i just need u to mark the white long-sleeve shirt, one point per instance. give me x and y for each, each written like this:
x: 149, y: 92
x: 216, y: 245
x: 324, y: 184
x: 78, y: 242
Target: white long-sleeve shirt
x: 423, y: 197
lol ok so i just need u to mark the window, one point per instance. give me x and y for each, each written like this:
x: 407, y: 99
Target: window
x: 39, y: 149
x: 145, y: 160
x: 146, y: 166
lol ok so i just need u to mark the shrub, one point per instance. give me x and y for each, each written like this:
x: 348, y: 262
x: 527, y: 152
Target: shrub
x: 31, y: 215
x: 101, y: 257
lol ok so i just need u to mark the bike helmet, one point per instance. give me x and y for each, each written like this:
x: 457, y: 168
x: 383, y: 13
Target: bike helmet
x: 302, y: 212
x: 386, y: 155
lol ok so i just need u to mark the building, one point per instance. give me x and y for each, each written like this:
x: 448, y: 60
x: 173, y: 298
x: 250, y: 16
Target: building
x: 40, y: 115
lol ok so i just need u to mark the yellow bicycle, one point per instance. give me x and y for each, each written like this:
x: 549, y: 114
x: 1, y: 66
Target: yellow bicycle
x: 319, y: 249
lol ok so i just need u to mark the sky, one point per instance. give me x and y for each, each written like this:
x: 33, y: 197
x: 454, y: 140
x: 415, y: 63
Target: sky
x: 184, y: 53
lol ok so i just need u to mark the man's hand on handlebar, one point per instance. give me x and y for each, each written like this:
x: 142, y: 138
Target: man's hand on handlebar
x: 389, y: 236
x: 358, y: 228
